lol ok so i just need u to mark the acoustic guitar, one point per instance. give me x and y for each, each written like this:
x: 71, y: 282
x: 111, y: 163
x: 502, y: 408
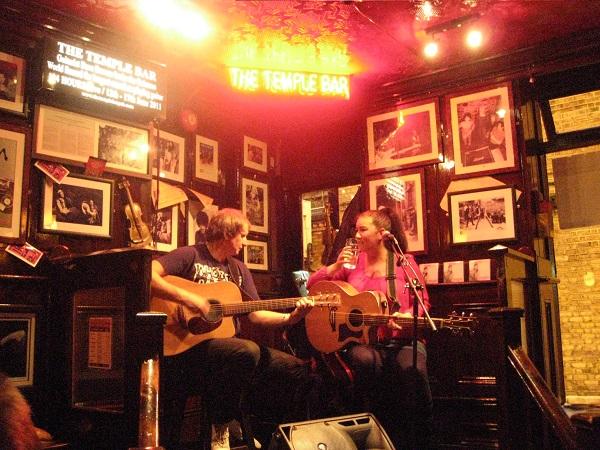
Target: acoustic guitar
x: 358, y: 317
x: 184, y: 328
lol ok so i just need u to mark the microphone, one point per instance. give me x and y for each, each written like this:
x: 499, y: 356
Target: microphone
x: 390, y: 239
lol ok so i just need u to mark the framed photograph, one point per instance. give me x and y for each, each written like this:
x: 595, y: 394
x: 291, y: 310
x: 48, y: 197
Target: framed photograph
x: 256, y: 255
x: 79, y: 205
x: 17, y: 346
x: 484, y: 215
x: 402, y: 193
x: 255, y: 154
x: 171, y: 157
x: 255, y: 204
x: 12, y: 83
x: 480, y: 270
x: 454, y: 272
x: 206, y: 159
x: 430, y: 272
x: 165, y: 228
x: 66, y: 136
x: 404, y: 137
x: 197, y: 221
x: 483, y: 132
x: 12, y: 158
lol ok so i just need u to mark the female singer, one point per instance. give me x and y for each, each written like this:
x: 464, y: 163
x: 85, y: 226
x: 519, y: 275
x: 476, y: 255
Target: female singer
x: 385, y: 381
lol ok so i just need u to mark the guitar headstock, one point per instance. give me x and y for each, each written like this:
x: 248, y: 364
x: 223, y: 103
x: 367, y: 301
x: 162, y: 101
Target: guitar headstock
x: 460, y: 323
x: 124, y: 183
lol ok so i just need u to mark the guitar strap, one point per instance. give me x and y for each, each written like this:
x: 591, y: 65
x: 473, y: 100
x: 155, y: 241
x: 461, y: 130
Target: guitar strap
x: 391, y: 280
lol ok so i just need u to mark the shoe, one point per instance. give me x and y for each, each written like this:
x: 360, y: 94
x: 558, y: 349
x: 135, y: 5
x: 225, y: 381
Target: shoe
x: 220, y: 437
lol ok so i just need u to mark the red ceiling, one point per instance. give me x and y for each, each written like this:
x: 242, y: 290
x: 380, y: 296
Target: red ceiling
x: 384, y: 36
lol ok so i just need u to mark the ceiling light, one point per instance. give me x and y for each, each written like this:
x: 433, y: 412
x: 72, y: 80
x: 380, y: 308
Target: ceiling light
x: 431, y: 49
x: 474, y: 39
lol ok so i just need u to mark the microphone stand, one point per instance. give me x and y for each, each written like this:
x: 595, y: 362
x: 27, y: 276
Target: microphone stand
x: 416, y: 288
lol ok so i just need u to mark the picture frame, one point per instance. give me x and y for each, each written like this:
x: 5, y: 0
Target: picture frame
x: 64, y: 136
x: 430, y: 272
x: 482, y: 215
x: 171, y: 156
x: 483, y: 131
x: 198, y: 217
x: 80, y: 205
x: 165, y: 228
x: 255, y: 154
x: 403, y: 193
x: 17, y: 346
x: 255, y: 204
x: 256, y: 255
x: 480, y: 269
x: 407, y: 136
x: 453, y: 272
x: 12, y: 183
x: 206, y: 159
x: 12, y: 83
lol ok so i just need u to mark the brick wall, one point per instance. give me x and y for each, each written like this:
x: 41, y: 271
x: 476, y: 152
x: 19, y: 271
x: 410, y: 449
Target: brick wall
x: 577, y: 252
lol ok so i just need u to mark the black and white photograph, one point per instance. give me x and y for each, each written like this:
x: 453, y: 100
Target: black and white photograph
x: 482, y: 131
x: 453, y: 272
x: 165, y: 228
x: 206, y: 159
x: 171, y: 157
x: 430, y: 272
x: 12, y: 87
x: 12, y: 154
x: 255, y: 154
x: 123, y: 147
x: 17, y: 341
x: 197, y: 221
x: 255, y: 204
x: 404, y: 137
x: 256, y: 255
x: 482, y: 215
x: 480, y: 270
x: 79, y: 205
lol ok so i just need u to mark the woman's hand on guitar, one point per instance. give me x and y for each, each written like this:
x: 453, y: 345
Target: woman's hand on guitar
x: 393, y: 324
x: 303, y: 307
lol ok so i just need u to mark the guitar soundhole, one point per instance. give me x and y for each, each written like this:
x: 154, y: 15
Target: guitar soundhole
x: 215, y: 313
x: 356, y: 318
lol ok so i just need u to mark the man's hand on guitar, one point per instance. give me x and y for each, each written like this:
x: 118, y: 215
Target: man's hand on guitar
x: 196, y: 304
x: 393, y: 324
x: 303, y: 307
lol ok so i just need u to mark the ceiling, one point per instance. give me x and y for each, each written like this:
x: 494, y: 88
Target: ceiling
x: 384, y: 38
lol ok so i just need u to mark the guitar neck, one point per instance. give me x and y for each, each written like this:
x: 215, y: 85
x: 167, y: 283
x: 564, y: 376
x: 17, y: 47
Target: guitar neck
x: 382, y: 319
x: 233, y: 309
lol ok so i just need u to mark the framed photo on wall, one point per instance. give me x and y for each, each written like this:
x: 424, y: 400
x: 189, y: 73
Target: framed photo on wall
x: 483, y: 132
x: 17, y: 346
x: 255, y: 204
x: 256, y: 255
x: 403, y: 193
x: 12, y: 158
x: 12, y: 83
x: 65, y: 136
x: 197, y: 221
x: 165, y: 228
x: 404, y: 137
x: 454, y: 272
x: 80, y: 205
x: 206, y: 157
x: 255, y: 154
x: 171, y: 157
x: 484, y: 215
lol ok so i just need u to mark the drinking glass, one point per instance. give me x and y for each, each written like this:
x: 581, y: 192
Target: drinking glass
x: 351, y: 264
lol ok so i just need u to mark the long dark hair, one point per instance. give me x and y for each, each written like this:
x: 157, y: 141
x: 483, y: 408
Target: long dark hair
x: 387, y: 219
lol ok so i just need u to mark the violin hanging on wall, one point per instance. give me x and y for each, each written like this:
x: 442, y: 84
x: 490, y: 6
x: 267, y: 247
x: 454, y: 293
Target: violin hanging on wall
x: 139, y: 233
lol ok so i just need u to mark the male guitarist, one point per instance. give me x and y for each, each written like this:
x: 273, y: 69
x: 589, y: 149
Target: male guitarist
x: 234, y: 372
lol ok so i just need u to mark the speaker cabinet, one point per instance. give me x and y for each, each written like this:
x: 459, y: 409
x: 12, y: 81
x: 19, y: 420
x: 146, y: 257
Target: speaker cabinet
x: 353, y: 432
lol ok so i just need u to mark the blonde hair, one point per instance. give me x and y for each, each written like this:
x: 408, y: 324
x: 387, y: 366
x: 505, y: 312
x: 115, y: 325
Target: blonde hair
x: 225, y: 224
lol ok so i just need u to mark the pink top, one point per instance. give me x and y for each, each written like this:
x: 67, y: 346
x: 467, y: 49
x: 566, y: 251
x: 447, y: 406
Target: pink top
x: 358, y: 278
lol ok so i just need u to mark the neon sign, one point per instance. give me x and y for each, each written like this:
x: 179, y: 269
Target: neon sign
x: 288, y: 82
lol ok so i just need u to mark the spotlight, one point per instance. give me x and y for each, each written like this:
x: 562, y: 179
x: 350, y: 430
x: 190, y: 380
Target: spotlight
x: 431, y: 49
x: 474, y: 39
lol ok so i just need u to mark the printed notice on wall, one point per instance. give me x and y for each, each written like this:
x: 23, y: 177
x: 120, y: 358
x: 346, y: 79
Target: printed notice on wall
x: 100, y: 343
